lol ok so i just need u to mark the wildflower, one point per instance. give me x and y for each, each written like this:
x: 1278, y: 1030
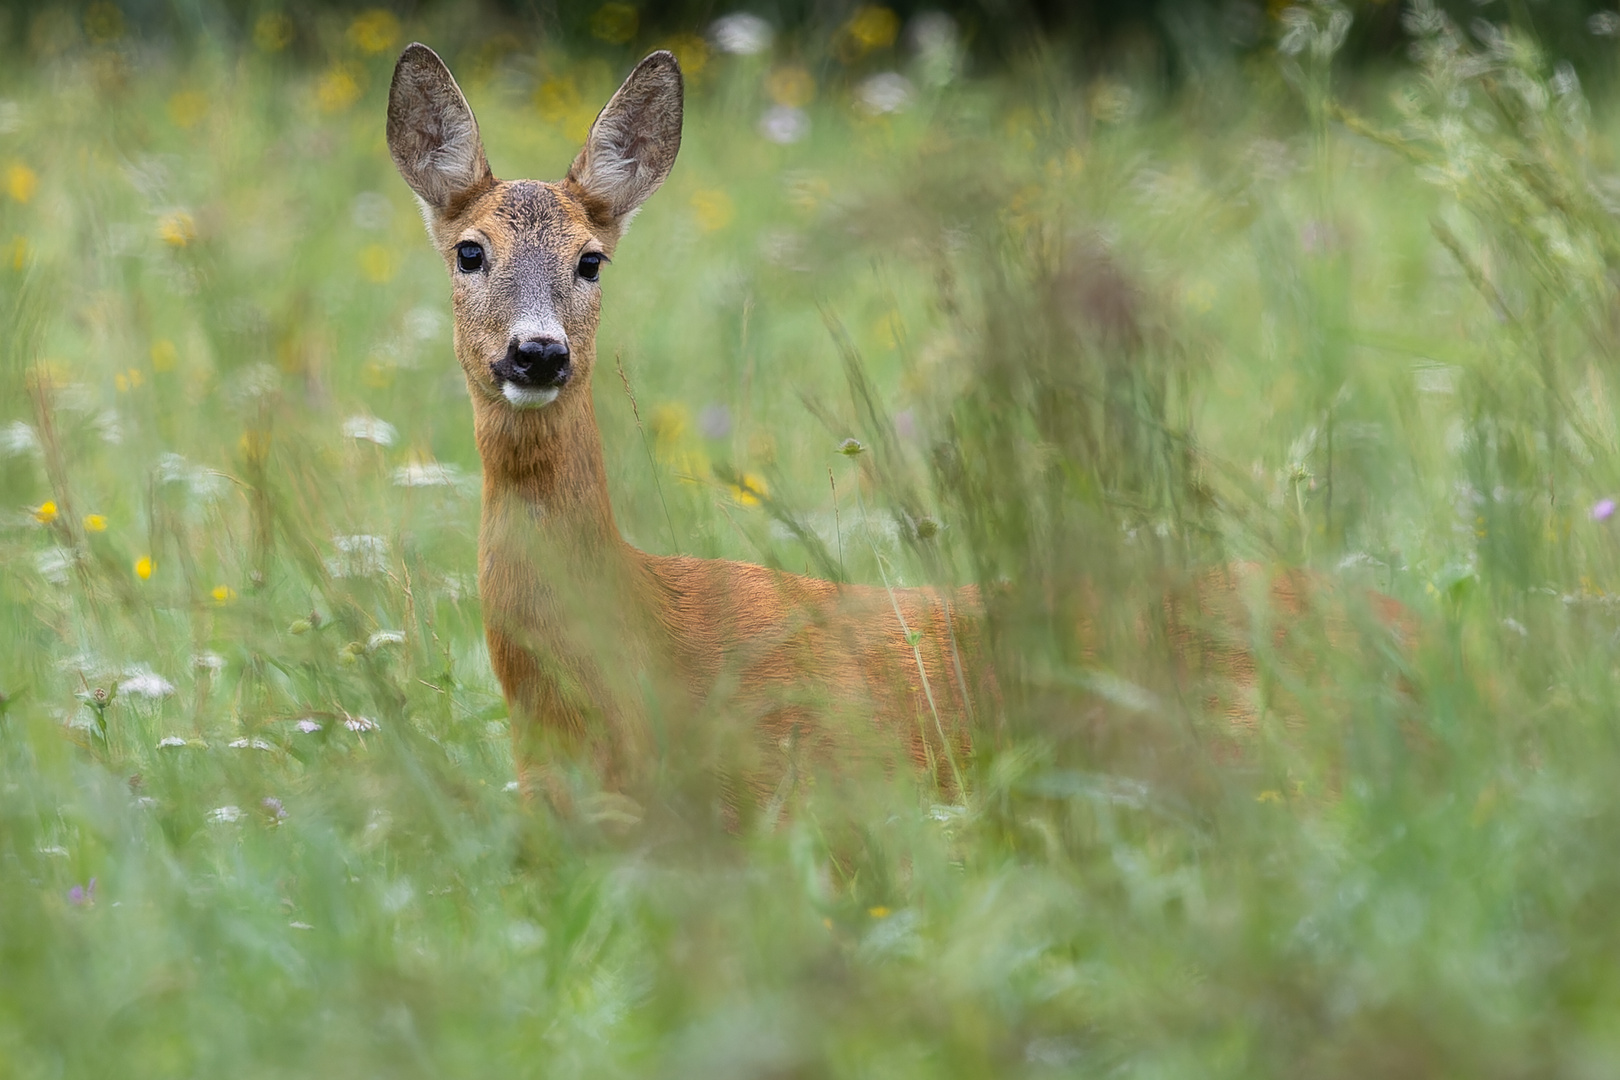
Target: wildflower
x: 374, y: 31
x: 715, y: 421
x: 19, y: 252
x: 225, y: 814
x: 426, y: 474
x: 741, y: 34
x: 691, y: 52
x: 223, y: 594
x: 376, y: 264
x: 273, y: 32
x: 208, y: 661
x: 95, y: 523
x: 249, y: 744
x: 169, y: 742
x: 879, y: 912
x: 307, y: 726
x: 361, y: 723
x: 370, y: 429
x: 164, y: 355
x: 791, y: 86
x: 145, y: 683
x: 385, y: 637
x: 1269, y: 795
x: 749, y: 489
x: 143, y: 567
x: 296, y: 925
x: 187, y: 107
x: 851, y: 447
x: 177, y: 229
x: 1603, y: 510
x: 886, y: 92
x: 21, y: 182
x: 615, y: 23
x: 358, y: 556
x: 45, y: 512
x: 338, y: 89
x: 83, y: 895
x: 273, y: 807
x: 714, y: 209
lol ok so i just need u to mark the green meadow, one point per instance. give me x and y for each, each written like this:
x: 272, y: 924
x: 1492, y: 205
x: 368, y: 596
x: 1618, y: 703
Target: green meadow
x: 1093, y: 335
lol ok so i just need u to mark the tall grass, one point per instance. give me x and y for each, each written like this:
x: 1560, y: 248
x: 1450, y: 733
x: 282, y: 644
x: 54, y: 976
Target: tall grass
x: 257, y: 803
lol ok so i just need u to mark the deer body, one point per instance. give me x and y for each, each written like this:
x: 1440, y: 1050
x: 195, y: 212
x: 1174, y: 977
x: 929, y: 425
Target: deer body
x: 590, y: 637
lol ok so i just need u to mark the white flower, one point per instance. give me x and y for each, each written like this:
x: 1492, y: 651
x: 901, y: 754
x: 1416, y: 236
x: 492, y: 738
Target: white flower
x: 18, y: 439
x: 426, y: 474
x: 741, y: 34
x: 360, y: 723
x: 170, y: 741
x: 142, y: 682
x: 424, y: 323
x: 296, y: 925
x: 358, y: 556
x: 225, y: 814
x: 371, y: 211
x: 308, y: 726
x: 784, y: 124
x: 208, y: 661
x: 385, y: 637
x: 371, y: 429
x: 250, y: 744
x: 53, y: 564
x: 886, y: 92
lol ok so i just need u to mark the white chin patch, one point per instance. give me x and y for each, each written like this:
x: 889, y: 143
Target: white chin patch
x: 526, y: 398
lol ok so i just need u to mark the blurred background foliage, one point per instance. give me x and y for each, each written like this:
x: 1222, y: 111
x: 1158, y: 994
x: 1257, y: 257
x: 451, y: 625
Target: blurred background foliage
x: 1072, y: 303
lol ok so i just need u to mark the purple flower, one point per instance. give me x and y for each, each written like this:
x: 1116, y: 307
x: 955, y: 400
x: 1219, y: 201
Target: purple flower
x: 83, y: 895
x: 715, y: 421
x: 1603, y: 510
x: 273, y: 807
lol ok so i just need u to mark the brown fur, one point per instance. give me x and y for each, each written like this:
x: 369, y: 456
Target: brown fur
x: 589, y: 636
x: 605, y: 652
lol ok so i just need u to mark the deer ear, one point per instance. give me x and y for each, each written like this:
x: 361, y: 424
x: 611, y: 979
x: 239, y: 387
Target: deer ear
x: 432, y: 134
x: 632, y: 145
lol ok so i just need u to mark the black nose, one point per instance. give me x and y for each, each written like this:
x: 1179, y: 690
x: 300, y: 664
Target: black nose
x: 535, y: 362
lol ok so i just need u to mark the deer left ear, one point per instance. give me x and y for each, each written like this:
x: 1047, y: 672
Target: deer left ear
x: 632, y: 145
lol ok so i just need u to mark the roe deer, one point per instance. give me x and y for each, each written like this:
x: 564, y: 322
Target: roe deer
x: 590, y: 637
x: 593, y: 640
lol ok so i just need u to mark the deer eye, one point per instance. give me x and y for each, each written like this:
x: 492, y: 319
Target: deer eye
x: 590, y: 265
x: 469, y: 257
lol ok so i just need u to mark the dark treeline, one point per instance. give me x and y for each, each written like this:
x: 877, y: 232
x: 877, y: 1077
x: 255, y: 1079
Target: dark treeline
x: 996, y: 33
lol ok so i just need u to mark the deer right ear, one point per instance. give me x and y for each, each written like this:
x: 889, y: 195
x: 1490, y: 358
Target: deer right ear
x: 432, y: 134
x: 632, y: 145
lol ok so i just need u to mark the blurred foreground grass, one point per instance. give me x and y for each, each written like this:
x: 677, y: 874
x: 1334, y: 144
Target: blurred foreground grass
x: 256, y: 805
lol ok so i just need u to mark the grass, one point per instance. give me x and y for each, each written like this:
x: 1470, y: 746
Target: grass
x: 257, y: 814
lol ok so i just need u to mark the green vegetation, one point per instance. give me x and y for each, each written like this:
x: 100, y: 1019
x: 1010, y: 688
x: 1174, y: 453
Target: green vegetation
x: 257, y: 815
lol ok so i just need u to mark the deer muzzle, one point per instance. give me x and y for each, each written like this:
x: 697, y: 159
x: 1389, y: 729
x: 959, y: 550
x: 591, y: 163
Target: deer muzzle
x: 532, y: 371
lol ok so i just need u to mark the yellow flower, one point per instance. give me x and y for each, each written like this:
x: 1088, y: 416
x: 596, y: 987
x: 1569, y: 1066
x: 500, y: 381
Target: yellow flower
x: 19, y: 252
x: 21, y: 182
x: 143, y: 567
x: 714, y: 209
x: 164, y: 355
x: 255, y: 445
x: 1269, y: 795
x: 45, y: 513
x: 556, y: 99
x: 95, y: 523
x: 749, y: 489
x: 103, y: 22
x: 376, y: 264
x: 223, y: 594
x: 273, y: 32
x: 187, y: 107
x: 374, y: 31
x: 337, y: 90
x: 879, y: 912
x: 791, y: 86
x: 615, y: 23
x: 177, y: 229
x: 691, y: 52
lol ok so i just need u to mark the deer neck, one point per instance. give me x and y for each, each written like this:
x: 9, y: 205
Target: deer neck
x: 543, y: 471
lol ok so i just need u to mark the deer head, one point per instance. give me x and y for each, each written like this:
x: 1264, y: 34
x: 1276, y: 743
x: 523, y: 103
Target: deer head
x: 524, y: 256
